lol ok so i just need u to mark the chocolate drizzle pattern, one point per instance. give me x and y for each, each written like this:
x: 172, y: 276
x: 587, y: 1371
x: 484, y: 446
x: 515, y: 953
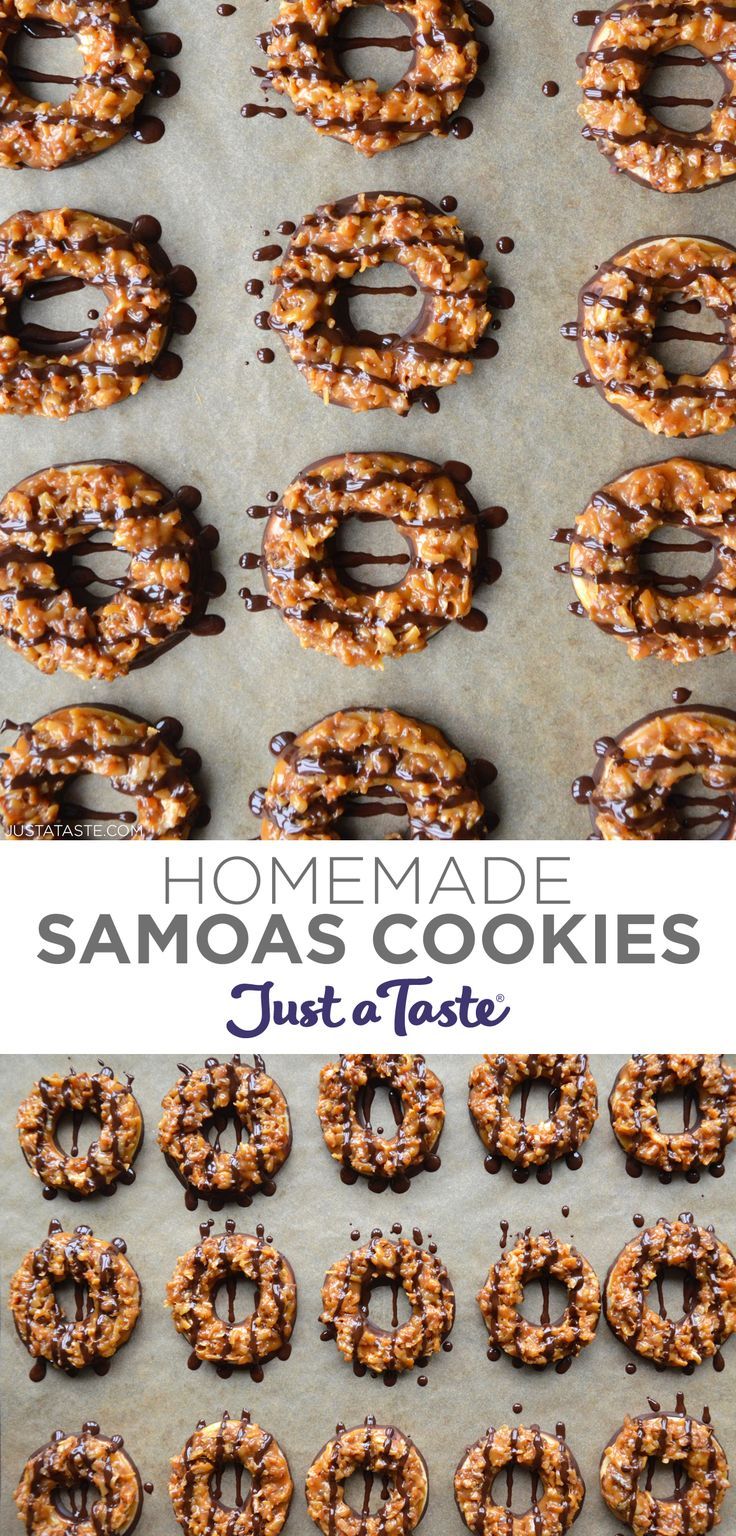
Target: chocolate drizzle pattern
x: 634, y: 791
x: 572, y: 1112
x: 346, y: 1092
x: 97, y: 1462
x: 310, y: 312
x: 304, y: 53
x: 195, y: 1485
x: 109, y: 1158
x: 541, y: 1258
x: 203, y: 1102
x: 214, y: 1266
x: 709, y: 1272
x: 51, y: 521
x: 557, y: 1490
x: 686, y: 1444
x: 346, y: 1295
x: 708, y: 1089
x: 384, y: 1455
x: 107, y: 1299
x: 308, y: 577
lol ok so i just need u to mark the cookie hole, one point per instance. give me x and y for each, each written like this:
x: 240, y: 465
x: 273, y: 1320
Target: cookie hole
x: 682, y: 96
x: 93, y: 570
x: 75, y: 1503
x: 534, y: 1100
x: 75, y: 1130
x: 234, y: 1299
x: 53, y: 318
x: 388, y: 1305
x: 379, y: 1108
x: 673, y: 1293
x: 72, y: 1299
x: 369, y: 554
x: 382, y: 304
x: 389, y: 57
x: 678, y: 1111
x: 516, y: 1488
x: 45, y: 68
x: 379, y: 815
x: 230, y: 1486
x: 679, y: 561
x: 702, y: 812
x: 224, y: 1130
x: 665, y: 1480
x: 98, y: 810
x: 544, y: 1300
x: 684, y: 340
x: 367, y: 1491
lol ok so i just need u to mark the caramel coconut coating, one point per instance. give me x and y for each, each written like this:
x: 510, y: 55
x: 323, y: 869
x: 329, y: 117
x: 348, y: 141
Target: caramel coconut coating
x: 675, y: 618
x: 358, y: 625
x: 261, y: 1110
x: 129, y: 752
x: 64, y: 1463
x: 108, y: 1158
x: 634, y: 1111
x: 419, y: 1101
x: 357, y: 751
x: 113, y: 81
x: 634, y: 791
x: 616, y: 70
x: 346, y: 1299
x: 538, y: 1344
x: 112, y: 1287
x: 558, y: 1488
x: 125, y: 341
x: 198, y: 1469
x: 339, y: 241
x: 492, y: 1084
x: 616, y: 322
x: 304, y: 65
x: 389, y: 1456
x: 710, y: 1271
x: 680, y: 1441
x: 199, y: 1274
x: 45, y: 519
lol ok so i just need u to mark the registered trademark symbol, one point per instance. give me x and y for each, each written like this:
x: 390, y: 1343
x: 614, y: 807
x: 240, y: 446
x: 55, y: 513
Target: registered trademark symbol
x: 499, y: 997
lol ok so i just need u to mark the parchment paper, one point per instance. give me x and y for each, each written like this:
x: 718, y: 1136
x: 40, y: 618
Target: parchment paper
x: 151, y: 1398
x: 538, y: 686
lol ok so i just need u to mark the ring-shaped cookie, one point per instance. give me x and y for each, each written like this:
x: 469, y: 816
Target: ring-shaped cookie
x: 208, y: 1096
x: 709, y: 1269
x: 558, y: 1489
x: 114, y: 358
x: 196, y: 1475
x: 218, y: 1260
x: 346, y: 1300
x: 99, y: 110
x: 344, y: 1107
x: 310, y: 310
x: 624, y: 49
x: 134, y: 755
x: 617, y: 318
x: 308, y: 579
x: 370, y: 752
x: 541, y: 1258
x: 304, y: 64
x: 378, y: 1450
x: 67, y: 1460
x: 686, y: 1444
x: 109, y: 1157
x: 710, y: 1089
x: 45, y: 524
x: 634, y: 790
x: 573, y: 1109
x: 102, y: 1275
x: 677, y: 618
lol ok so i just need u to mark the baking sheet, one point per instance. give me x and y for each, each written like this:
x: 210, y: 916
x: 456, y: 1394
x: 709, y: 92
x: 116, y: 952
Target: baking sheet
x: 154, y: 1401
x: 536, y: 689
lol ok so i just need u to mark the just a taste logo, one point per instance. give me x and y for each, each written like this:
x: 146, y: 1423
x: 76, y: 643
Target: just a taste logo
x: 399, y: 1004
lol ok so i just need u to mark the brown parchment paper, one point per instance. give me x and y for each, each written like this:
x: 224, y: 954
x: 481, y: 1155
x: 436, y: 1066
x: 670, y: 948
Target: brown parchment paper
x: 538, y: 686
x: 151, y: 1398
